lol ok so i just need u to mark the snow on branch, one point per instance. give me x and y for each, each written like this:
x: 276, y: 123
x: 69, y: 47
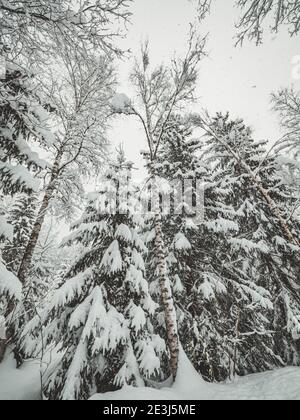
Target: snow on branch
x: 9, y: 284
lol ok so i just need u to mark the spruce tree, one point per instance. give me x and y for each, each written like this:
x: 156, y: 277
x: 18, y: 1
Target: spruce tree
x: 196, y: 289
x: 102, y: 314
x: 223, y: 312
x: 258, y: 252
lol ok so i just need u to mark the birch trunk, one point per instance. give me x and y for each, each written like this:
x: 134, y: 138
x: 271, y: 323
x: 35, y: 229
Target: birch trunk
x: 237, y: 336
x: 37, y: 227
x: 28, y: 254
x: 164, y: 282
x: 2, y: 338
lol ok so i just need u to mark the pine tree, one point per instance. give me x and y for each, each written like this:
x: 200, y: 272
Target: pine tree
x: 103, y: 311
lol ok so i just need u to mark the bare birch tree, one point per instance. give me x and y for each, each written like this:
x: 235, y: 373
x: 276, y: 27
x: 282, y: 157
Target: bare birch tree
x: 80, y: 97
x: 31, y: 27
x: 286, y: 103
x: 256, y: 16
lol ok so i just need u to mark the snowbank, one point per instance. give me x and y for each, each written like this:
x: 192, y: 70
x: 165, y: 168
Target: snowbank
x: 282, y: 384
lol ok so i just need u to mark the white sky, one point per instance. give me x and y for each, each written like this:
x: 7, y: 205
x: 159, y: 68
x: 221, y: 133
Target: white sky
x: 235, y: 79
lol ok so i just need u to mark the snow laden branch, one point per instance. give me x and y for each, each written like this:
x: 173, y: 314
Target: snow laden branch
x: 206, y: 124
x: 256, y: 14
x: 161, y: 92
x: 87, y: 24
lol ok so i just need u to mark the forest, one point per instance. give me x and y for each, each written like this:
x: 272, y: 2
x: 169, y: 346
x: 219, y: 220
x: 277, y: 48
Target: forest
x: 178, y: 272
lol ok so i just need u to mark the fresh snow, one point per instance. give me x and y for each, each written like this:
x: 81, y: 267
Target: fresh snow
x: 181, y: 242
x: 121, y: 103
x: 112, y: 259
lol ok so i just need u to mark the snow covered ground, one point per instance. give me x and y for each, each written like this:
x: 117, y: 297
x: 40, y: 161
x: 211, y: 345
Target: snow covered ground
x: 283, y: 384
x: 19, y: 384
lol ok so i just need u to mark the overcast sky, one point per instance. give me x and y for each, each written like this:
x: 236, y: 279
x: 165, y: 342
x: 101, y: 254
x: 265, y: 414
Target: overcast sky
x: 237, y: 79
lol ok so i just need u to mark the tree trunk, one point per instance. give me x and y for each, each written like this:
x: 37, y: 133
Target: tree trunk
x: 164, y: 282
x: 3, y: 346
x: 28, y: 254
x: 37, y: 227
x: 237, y: 336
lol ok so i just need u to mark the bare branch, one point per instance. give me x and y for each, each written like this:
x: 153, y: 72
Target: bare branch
x: 256, y: 13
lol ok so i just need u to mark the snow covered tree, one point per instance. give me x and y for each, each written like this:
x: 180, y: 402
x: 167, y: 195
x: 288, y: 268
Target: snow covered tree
x: 286, y: 103
x: 102, y: 313
x: 32, y: 28
x: 80, y: 136
x: 179, y: 167
x: 259, y: 250
x: 160, y: 92
x: 216, y: 308
x: 23, y: 122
